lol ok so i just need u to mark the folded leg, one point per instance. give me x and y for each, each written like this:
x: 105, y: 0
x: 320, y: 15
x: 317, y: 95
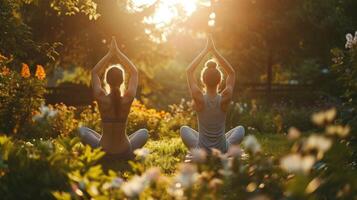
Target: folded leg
x: 189, y: 137
x: 89, y: 136
x: 236, y: 135
x: 138, y: 139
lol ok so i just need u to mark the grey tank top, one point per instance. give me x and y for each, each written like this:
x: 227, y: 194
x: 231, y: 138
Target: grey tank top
x: 211, y: 124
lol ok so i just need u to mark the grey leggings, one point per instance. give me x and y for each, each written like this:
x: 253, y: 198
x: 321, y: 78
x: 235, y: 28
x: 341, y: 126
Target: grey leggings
x: 190, y: 136
x: 92, y: 138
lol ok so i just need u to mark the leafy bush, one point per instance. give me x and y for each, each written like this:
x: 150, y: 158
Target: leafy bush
x: 313, y: 169
x: 262, y: 118
x: 159, y: 123
x: 53, y: 121
x: 159, y: 151
x: 345, y: 66
x: 65, y: 169
x: 40, y: 166
x: 178, y: 115
x: 140, y: 116
x: 21, y: 96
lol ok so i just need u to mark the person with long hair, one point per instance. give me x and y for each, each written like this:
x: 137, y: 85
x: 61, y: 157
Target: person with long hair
x: 210, y: 104
x: 114, y: 107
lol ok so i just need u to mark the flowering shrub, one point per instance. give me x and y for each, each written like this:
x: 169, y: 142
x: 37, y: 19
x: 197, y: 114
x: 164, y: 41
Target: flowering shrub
x: 140, y: 116
x: 317, y: 167
x: 52, y: 121
x: 41, y: 166
x: 21, y: 96
x: 181, y: 114
x: 308, y: 171
x: 157, y: 122
x: 90, y: 117
x: 345, y: 66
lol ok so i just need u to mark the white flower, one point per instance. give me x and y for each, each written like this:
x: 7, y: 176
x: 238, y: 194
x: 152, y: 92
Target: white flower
x: 29, y: 144
x: 349, y: 37
x: 227, y: 166
x: 341, y: 131
x: 176, y: 191
x: 325, y: 116
x: 117, y: 182
x: 293, y: 133
x: 318, y: 142
x: 186, y: 176
x: 134, y: 186
x: 137, y: 184
x: 152, y: 174
x: 45, y: 111
x: 296, y: 163
x: 143, y: 152
x: 215, y: 183
x: 198, y: 155
x: 351, y: 41
x: 235, y: 151
x: 251, y: 144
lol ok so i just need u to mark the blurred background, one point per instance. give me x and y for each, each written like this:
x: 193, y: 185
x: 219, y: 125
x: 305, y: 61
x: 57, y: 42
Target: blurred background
x: 281, y: 50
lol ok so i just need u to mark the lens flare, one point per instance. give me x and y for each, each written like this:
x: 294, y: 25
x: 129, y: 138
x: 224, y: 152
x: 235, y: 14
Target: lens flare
x: 165, y: 11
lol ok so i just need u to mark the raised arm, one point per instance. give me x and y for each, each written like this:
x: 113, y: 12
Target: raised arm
x: 130, y: 92
x: 195, y: 90
x: 231, y: 75
x: 98, y: 71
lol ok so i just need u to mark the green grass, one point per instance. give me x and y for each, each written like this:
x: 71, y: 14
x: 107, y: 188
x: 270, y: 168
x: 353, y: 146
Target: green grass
x: 166, y: 153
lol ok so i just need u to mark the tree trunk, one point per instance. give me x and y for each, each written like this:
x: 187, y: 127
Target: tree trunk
x: 269, y: 75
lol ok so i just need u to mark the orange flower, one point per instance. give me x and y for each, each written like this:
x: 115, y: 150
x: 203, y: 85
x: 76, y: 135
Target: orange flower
x: 25, y: 71
x: 5, y: 71
x: 40, y: 72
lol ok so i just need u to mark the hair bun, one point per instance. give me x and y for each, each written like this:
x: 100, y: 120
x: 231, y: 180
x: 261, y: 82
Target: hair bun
x: 211, y: 64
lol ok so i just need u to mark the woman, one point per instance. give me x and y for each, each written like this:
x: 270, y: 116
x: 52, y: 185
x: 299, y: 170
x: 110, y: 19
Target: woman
x: 114, y: 108
x: 210, y: 105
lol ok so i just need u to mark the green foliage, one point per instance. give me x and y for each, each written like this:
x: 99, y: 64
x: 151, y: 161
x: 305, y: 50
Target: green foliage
x: 159, y: 151
x: 345, y: 66
x: 17, y: 36
x: 14, y: 34
x: 65, y: 169
x: 72, y: 7
x: 90, y: 117
x: 78, y: 76
x: 41, y: 166
x: 261, y: 118
x: 179, y: 114
x: 21, y: 96
x: 53, y: 121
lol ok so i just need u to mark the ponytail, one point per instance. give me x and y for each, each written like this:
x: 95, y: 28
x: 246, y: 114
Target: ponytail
x: 116, y: 100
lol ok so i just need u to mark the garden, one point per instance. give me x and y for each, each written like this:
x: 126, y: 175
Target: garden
x: 295, y: 94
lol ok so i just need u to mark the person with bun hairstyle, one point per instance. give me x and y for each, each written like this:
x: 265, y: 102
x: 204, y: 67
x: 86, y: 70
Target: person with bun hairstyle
x: 114, y: 107
x: 211, y: 105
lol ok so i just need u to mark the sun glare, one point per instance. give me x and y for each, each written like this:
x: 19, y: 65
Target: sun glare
x: 167, y: 12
